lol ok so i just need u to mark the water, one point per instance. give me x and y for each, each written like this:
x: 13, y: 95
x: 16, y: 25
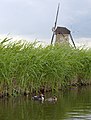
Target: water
x: 74, y: 104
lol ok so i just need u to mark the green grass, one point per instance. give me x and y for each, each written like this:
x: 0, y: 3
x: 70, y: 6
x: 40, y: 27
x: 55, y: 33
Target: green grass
x: 27, y: 67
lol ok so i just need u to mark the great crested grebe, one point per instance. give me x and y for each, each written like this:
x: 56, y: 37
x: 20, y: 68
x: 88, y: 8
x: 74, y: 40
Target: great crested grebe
x: 40, y: 97
x: 51, y: 99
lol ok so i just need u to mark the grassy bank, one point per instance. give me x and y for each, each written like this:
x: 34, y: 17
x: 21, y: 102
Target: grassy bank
x: 25, y: 67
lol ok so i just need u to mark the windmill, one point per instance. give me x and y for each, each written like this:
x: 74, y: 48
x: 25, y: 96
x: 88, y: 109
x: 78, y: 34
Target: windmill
x: 62, y: 33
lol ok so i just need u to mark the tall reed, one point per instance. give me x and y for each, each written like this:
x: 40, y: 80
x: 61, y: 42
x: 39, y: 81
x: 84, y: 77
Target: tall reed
x: 27, y: 67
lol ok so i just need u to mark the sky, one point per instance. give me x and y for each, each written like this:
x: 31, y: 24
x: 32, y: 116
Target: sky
x: 34, y: 19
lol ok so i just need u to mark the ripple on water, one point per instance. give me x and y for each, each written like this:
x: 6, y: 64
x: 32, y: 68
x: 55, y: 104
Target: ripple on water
x: 80, y: 114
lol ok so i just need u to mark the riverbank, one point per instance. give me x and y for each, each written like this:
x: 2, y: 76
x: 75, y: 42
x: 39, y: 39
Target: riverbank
x: 29, y: 67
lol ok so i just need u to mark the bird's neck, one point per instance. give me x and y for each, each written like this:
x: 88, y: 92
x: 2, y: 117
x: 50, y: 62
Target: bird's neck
x: 42, y: 98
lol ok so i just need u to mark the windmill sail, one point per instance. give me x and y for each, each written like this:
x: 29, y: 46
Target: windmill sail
x: 72, y: 40
x: 55, y: 23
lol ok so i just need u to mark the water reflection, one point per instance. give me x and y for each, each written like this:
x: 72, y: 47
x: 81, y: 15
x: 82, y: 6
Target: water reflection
x: 73, y: 104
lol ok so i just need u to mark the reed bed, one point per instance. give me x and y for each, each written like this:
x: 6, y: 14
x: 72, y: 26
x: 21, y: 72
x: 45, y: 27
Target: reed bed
x: 27, y: 67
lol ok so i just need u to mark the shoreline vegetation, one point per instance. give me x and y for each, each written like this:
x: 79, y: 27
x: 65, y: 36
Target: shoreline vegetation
x: 26, y: 67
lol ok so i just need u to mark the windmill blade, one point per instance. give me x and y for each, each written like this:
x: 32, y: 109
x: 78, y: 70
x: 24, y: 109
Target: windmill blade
x: 57, y: 15
x: 52, y: 38
x: 72, y: 40
x: 55, y: 23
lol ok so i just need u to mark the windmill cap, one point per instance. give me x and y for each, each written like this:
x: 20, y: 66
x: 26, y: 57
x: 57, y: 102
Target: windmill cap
x: 62, y: 30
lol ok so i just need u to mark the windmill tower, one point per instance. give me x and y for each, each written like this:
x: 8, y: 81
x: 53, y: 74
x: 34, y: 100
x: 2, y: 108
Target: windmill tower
x: 62, y: 33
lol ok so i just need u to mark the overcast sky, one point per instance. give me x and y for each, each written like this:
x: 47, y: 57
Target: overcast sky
x: 35, y: 18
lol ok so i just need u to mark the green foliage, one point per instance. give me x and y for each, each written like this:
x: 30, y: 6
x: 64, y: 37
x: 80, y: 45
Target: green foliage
x: 29, y: 66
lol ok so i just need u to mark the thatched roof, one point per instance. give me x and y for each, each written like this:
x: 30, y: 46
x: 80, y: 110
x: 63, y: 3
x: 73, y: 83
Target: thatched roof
x: 62, y: 30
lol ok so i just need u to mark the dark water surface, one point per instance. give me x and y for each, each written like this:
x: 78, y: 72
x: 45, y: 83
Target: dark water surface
x: 74, y: 104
